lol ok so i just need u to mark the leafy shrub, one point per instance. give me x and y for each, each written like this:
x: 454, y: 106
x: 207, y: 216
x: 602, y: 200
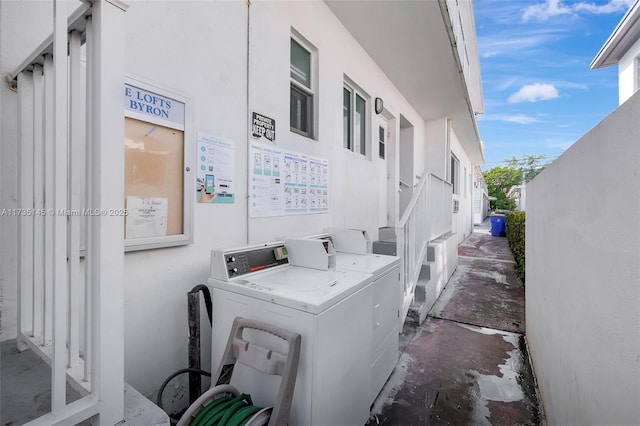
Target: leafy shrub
x: 515, y: 222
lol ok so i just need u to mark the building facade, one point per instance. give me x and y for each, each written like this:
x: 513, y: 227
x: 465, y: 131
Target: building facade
x: 352, y: 104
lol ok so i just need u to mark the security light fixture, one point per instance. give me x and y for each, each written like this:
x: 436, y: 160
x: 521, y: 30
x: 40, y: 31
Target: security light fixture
x: 379, y: 106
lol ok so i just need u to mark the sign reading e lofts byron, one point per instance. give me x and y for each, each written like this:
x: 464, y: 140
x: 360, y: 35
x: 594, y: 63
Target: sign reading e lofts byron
x: 152, y: 107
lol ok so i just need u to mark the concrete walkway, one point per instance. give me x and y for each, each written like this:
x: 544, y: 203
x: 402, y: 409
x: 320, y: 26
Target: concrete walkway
x: 467, y: 363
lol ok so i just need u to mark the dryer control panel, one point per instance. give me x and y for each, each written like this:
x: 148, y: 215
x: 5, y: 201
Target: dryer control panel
x: 227, y: 264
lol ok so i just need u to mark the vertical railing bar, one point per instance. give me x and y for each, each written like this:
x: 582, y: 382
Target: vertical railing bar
x: 59, y: 221
x: 75, y: 186
x: 25, y: 203
x: 38, y: 202
x: 88, y: 202
x: 108, y: 191
x: 48, y: 199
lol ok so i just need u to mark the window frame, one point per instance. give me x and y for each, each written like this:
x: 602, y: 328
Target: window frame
x: 310, y: 92
x: 382, y: 144
x: 454, y: 178
x: 355, y: 93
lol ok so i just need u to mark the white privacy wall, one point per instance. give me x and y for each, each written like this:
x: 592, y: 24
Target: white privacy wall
x: 583, y: 276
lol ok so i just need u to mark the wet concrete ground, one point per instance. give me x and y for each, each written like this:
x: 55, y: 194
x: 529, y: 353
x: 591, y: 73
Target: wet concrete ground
x: 467, y: 363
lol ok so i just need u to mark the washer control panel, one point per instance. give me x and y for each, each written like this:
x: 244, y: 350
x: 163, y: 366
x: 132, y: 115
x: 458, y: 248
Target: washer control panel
x: 228, y: 264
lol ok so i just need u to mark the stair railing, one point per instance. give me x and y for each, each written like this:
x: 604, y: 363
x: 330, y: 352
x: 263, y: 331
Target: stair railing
x: 427, y: 216
x: 70, y: 303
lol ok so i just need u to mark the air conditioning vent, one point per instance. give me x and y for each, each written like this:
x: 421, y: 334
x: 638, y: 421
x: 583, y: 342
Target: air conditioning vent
x: 456, y: 206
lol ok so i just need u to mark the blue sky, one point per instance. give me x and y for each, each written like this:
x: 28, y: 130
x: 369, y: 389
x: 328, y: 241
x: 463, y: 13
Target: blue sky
x: 540, y: 95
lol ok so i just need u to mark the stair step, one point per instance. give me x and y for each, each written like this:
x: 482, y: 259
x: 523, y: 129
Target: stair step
x: 385, y: 247
x: 387, y: 233
x: 418, y: 312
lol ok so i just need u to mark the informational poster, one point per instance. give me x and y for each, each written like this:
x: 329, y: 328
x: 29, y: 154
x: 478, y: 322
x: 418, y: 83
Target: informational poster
x: 286, y: 182
x: 318, y: 185
x: 215, y: 170
x: 147, y: 217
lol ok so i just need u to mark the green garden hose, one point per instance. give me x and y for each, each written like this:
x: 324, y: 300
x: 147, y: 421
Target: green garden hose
x: 226, y: 411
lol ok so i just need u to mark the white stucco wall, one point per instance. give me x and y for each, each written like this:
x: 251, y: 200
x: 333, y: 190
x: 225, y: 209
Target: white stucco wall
x: 437, y: 152
x: 583, y: 276
x: 353, y: 177
x: 627, y: 73
x: 200, y: 50
x: 462, y: 221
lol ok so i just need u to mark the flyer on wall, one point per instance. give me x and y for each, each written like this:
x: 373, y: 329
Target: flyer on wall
x: 215, y: 170
x: 284, y: 182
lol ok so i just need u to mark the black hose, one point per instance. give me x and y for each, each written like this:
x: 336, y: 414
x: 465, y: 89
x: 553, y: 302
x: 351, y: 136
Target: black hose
x: 207, y: 299
x: 177, y: 373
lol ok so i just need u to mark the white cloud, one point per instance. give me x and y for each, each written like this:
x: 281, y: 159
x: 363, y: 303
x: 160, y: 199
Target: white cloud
x: 513, y: 118
x: 551, y: 8
x: 534, y: 93
x: 521, y: 119
x: 613, y: 6
x: 546, y: 10
x: 515, y: 44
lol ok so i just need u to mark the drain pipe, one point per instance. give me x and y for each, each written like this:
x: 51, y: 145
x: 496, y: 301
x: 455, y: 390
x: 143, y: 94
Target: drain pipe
x: 248, y: 121
x: 193, y: 316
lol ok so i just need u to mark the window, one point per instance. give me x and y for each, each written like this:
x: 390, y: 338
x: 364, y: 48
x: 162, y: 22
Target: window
x: 354, y: 114
x: 301, y: 106
x: 465, y: 182
x: 455, y: 170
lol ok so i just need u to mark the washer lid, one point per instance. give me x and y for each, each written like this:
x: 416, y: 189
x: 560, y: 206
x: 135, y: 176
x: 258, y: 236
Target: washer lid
x: 305, y: 289
x: 374, y: 264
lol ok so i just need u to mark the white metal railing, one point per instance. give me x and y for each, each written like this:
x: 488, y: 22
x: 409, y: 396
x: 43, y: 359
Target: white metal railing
x: 411, y: 235
x: 69, y: 113
x: 440, y: 198
x: 427, y: 216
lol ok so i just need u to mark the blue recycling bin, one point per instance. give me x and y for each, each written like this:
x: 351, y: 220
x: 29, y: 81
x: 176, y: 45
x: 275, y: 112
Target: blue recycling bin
x: 498, y: 225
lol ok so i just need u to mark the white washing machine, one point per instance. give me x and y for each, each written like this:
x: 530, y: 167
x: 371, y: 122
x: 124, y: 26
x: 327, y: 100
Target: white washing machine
x: 333, y: 310
x: 353, y: 253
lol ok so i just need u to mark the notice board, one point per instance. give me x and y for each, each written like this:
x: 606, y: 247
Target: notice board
x: 154, y: 173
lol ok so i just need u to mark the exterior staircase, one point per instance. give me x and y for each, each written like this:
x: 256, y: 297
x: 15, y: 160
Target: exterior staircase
x: 428, y: 222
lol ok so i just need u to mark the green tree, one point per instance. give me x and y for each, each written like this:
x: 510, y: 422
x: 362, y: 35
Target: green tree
x: 499, y: 180
x: 528, y: 165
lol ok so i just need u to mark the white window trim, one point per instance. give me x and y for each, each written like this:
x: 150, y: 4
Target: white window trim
x: 454, y: 178
x: 313, y: 79
x: 383, y: 124
x: 357, y: 91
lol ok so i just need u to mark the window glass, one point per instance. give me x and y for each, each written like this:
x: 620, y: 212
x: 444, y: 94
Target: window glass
x: 300, y: 64
x: 454, y: 173
x: 360, y: 125
x: 299, y: 110
x: 346, y: 118
x: 381, y: 141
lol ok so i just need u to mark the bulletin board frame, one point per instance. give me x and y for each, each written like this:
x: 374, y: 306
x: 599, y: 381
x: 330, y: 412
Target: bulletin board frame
x: 186, y: 236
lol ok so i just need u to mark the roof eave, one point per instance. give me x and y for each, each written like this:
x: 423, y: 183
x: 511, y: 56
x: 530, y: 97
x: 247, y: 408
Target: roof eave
x: 621, y: 39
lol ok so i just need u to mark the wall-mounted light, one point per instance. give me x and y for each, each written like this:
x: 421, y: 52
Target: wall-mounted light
x: 379, y: 106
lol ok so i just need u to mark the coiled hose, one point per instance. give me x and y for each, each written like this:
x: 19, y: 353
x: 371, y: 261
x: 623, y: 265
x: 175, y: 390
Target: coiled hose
x: 226, y: 411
